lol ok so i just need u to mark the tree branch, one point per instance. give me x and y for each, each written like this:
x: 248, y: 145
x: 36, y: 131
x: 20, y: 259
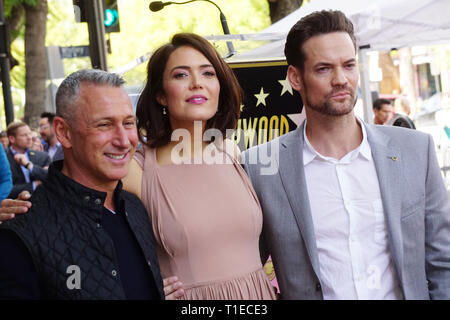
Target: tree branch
x: 14, y: 20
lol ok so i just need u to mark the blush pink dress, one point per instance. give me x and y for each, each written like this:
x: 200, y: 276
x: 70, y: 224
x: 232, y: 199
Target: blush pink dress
x: 207, y: 221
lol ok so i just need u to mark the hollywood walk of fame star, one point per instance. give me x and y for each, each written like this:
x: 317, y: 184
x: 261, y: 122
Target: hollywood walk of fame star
x: 261, y: 96
x: 286, y: 86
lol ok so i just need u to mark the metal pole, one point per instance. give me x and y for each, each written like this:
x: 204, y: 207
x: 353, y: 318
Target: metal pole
x: 97, y: 44
x: 230, y: 46
x: 158, y: 5
x: 365, y: 85
x: 4, y: 64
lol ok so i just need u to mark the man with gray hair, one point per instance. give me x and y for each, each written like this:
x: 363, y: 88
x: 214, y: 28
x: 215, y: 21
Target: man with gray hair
x: 84, y: 237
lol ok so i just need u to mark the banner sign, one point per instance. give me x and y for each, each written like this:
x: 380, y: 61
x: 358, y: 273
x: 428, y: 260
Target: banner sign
x: 271, y: 107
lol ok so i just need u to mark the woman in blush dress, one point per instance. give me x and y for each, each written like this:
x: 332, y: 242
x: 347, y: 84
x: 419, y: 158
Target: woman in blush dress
x: 206, y: 217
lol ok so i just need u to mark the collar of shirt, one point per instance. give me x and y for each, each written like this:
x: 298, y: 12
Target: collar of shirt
x: 14, y: 151
x: 90, y: 201
x: 309, y: 153
x: 110, y: 211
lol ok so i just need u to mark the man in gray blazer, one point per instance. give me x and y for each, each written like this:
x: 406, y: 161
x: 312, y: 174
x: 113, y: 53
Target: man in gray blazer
x: 353, y: 210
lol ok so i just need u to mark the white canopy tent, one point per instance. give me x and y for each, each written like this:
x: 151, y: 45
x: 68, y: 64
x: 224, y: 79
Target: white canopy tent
x: 379, y: 25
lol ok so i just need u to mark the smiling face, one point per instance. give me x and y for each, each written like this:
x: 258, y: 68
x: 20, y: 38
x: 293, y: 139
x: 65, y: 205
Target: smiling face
x: 36, y: 141
x: 102, y: 137
x: 191, y: 88
x: 45, y: 129
x: 329, y: 80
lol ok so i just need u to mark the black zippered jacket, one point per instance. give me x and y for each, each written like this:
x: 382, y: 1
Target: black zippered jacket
x: 63, y: 229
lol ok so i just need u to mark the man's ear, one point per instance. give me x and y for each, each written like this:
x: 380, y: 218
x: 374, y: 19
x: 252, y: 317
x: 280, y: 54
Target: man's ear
x: 63, y: 132
x: 294, y: 77
x: 11, y: 139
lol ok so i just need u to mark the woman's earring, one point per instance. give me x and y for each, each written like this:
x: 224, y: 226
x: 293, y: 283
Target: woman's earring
x: 164, y: 111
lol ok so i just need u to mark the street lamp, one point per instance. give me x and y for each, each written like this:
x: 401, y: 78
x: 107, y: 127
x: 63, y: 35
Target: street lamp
x: 158, y: 5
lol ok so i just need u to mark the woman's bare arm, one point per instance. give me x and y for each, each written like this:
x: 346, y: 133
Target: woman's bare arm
x: 133, y: 180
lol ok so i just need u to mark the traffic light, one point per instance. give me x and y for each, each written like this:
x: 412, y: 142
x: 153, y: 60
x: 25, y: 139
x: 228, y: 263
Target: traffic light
x: 111, y: 16
x: 79, y: 8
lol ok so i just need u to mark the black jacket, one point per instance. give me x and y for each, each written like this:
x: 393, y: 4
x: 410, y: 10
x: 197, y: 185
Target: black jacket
x: 39, y: 160
x: 62, y: 229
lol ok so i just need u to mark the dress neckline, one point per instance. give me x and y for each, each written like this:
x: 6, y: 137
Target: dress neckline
x: 184, y: 164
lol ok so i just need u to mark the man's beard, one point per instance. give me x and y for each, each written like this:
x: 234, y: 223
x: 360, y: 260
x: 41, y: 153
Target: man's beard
x: 329, y: 108
x: 49, y: 138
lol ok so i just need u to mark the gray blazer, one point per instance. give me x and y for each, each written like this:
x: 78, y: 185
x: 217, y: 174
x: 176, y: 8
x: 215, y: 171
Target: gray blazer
x: 416, y: 205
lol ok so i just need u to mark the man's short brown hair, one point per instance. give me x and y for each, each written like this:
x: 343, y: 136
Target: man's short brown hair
x: 378, y: 104
x: 13, y: 126
x: 314, y: 24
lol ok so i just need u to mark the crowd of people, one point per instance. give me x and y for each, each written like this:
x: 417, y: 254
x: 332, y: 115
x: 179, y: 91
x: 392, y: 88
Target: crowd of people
x: 386, y: 114
x: 130, y: 206
x: 28, y: 152
x: 28, y: 155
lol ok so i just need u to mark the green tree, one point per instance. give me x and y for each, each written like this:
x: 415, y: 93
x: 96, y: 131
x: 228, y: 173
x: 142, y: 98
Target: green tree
x: 141, y: 32
x: 281, y: 8
x: 32, y: 16
x: 62, y: 30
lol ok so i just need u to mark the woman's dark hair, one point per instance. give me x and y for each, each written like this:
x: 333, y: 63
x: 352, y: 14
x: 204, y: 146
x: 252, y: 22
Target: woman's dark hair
x: 154, y: 127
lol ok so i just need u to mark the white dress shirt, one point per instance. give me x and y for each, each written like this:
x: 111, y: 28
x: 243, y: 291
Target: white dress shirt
x: 349, y: 225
